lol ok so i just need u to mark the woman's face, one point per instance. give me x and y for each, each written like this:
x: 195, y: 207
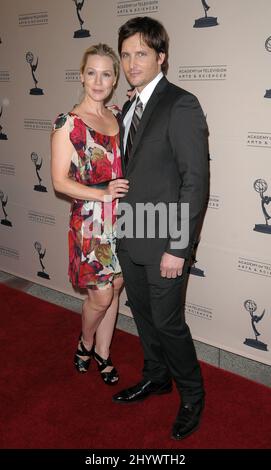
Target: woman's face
x: 98, y: 77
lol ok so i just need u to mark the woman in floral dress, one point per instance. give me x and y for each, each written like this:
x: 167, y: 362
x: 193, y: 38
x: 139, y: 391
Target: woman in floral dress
x: 86, y: 166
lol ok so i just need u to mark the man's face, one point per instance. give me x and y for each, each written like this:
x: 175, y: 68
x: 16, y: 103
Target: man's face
x: 140, y: 63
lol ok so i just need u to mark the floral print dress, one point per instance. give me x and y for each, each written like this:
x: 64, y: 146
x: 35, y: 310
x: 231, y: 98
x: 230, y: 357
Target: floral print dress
x: 92, y: 234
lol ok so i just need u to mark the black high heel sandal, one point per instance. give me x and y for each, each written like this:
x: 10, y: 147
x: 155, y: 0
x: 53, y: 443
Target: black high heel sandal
x: 109, y: 378
x: 82, y: 365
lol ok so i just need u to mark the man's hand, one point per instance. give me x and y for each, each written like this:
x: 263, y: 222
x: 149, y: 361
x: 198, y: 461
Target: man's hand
x: 171, y: 266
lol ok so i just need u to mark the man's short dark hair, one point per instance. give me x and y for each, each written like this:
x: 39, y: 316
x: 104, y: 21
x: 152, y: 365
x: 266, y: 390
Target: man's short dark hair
x: 153, y: 34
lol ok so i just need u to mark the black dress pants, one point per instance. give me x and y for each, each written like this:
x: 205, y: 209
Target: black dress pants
x: 157, y: 305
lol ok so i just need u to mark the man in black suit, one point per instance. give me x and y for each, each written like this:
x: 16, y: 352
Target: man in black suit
x: 167, y: 163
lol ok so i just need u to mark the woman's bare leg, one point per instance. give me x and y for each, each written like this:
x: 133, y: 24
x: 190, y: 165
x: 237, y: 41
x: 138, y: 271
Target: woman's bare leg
x: 93, y: 312
x: 106, y: 327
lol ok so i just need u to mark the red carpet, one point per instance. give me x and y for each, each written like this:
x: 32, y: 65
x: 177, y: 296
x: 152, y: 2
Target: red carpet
x: 45, y: 403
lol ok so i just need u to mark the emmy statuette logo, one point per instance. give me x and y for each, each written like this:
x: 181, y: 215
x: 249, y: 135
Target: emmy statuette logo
x: 80, y: 33
x: 4, y: 200
x: 261, y: 187
x: 35, y: 159
x: 251, y: 307
x: 30, y: 59
x: 38, y: 248
x: 206, y: 21
x: 2, y: 135
x: 268, y: 48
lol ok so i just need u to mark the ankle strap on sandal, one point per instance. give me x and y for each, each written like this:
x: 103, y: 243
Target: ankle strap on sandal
x: 84, y: 351
x: 104, y: 362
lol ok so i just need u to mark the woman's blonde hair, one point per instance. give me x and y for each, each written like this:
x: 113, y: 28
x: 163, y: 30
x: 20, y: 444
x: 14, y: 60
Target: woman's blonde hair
x: 101, y: 50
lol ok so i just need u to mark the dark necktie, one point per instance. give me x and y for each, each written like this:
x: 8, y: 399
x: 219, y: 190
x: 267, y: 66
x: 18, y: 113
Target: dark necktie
x: 133, y: 128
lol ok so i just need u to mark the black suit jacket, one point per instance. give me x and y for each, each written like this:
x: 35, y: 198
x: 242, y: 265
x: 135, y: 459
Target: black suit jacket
x: 169, y: 163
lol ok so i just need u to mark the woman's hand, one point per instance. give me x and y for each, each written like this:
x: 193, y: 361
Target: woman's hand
x: 117, y: 188
x: 131, y: 93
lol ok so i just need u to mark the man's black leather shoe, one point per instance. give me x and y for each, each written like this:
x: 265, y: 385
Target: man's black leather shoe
x: 188, y: 419
x: 141, y: 391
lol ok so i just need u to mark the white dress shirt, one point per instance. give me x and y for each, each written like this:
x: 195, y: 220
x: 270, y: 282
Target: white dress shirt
x: 144, y: 97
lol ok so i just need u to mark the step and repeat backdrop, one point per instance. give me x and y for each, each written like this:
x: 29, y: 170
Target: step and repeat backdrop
x: 220, y: 51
